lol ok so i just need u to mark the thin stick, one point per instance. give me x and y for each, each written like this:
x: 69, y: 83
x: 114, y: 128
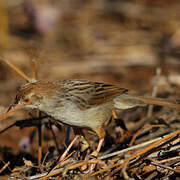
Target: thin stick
x: 39, y: 138
x: 58, y: 165
x: 164, y: 166
x: 68, y: 131
x: 154, y: 91
x: 38, y: 113
x: 128, y: 149
x: 177, y: 158
x: 138, y: 153
x: 16, y: 70
x: 34, y: 65
x: 141, y: 130
x: 54, y: 136
x: 60, y: 170
x: 4, y: 167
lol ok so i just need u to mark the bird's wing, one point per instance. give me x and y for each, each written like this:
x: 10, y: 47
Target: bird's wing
x: 88, y: 93
x: 104, y: 93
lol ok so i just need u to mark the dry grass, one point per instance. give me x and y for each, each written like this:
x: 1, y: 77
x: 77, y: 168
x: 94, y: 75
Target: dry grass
x: 118, y: 42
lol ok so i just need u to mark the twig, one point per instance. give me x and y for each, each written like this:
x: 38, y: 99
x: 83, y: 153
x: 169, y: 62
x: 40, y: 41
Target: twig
x: 16, y: 70
x: 51, y: 172
x: 68, y: 131
x: 169, y: 159
x: 143, y: 128
x: 38, y: 114
x: 164, y: 166
x: 123, y: 172
x: 156, y: 147
x: 152, y: 175
x: 61, y: 162
x: 4, y: 167
x: 23, y: 123
x: 34, y: 62
x: 129, y: 149
x: 60, y: 170
x: 154, y: 91
x: 138, y: 153
x: 54, y: 136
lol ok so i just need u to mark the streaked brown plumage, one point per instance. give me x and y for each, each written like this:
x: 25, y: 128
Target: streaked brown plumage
x: 81, y: 103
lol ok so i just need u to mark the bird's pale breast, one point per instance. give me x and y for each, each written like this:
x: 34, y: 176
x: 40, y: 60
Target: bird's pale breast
x: 70, y: 114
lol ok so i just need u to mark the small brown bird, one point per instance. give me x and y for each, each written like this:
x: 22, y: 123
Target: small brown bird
x: 81, y: 103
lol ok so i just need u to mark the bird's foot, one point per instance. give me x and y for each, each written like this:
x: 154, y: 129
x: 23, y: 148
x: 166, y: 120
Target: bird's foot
x: 92, y: 156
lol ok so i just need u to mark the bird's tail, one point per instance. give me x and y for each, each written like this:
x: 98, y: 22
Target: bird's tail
x: 126, y: 101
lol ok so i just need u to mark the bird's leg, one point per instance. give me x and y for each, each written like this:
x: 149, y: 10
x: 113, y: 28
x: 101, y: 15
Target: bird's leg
x: 100, y: 143
x: 78, y: 133
x: 101, y: 134
x: 69, y: 147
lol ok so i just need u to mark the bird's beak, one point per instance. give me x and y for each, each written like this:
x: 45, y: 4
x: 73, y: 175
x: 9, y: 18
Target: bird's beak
x: 11, y: 107
x: 15, y: 107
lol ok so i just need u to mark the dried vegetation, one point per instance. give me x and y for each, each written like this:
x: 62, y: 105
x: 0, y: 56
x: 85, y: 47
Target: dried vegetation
x: 133, y: 44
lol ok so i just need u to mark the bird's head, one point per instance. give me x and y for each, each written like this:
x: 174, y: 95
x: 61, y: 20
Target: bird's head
x: 33, y: 95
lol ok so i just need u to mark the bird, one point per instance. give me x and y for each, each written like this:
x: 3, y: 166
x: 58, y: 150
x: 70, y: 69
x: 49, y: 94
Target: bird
x: 81, y: 104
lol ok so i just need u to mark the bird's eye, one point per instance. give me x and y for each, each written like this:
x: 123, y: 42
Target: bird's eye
x: 26, y: 100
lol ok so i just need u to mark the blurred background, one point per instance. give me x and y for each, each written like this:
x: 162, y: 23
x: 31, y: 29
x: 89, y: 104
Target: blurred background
x: 115, y: 41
